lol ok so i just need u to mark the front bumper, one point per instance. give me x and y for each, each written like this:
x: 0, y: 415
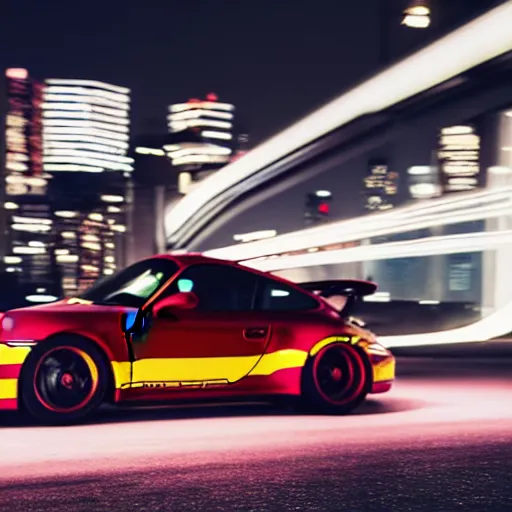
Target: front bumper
x: 11, y: 362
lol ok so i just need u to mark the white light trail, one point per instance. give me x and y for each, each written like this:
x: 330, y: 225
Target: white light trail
x: 475, y: 43
x: 445, y: 211
x: 430, y: 246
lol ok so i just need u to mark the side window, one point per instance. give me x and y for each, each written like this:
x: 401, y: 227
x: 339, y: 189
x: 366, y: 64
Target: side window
x: 275, y: 296
x: 218, y: 287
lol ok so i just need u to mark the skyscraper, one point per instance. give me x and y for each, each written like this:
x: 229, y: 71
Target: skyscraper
x: 86, y: 142
x: 66, y: 172
x: 27, y: 214
x: 459, y: 158
x: 85, y: 126
x: 204, y: 138
x: 380, y: 186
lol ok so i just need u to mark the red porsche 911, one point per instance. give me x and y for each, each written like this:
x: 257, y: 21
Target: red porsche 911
x: 185, y: 329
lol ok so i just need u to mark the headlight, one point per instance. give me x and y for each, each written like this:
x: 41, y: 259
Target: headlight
x: 7, y: 323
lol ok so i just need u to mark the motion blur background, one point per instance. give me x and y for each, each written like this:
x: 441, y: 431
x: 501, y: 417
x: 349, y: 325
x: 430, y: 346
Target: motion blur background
x: 137, y: 128
x: 118, y: 121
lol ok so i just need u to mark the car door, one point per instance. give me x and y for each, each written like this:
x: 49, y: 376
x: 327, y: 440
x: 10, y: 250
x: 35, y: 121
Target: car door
x: 292, y: 313
x: 219, y: 342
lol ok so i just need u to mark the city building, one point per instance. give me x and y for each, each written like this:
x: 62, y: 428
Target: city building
x: 66, y: 170
x: 86, y: 136
x: 204, y: 138
x: 459, y: 158
x: 423, y: 182
x: 154, y: 187
x: 380, y: 186
x: 201, y: 139
x: 27, y: 215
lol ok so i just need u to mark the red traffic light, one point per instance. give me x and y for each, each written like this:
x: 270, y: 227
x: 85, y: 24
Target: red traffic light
x: 323, y: 208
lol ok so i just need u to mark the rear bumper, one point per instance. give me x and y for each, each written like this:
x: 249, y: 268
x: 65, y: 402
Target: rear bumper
x: 383, y: 373
x: 381, y: 387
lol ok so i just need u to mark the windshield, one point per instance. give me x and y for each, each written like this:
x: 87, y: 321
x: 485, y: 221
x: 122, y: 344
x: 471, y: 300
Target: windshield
x: 132, y: 286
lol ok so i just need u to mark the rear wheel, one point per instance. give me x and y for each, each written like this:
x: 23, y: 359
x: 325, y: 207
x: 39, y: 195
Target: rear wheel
x: 64, y: 380
x: 336, y: 380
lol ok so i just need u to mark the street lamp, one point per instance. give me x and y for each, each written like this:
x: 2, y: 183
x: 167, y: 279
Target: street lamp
x: 417, y: 15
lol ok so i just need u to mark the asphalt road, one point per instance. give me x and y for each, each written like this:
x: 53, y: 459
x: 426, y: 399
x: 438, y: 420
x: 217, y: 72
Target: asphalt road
x: 440, y: 441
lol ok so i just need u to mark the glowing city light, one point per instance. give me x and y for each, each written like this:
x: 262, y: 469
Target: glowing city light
x: 16, y: 73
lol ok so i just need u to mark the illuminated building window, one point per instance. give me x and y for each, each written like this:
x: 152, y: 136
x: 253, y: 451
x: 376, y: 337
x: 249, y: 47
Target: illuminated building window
x: 459, y: 158
x: 380, y: 185
x: 66, y: 146
x: 204, y: 134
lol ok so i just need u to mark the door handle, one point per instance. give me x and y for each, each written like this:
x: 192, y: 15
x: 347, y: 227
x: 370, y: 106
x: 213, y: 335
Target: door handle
x: 255, y: 333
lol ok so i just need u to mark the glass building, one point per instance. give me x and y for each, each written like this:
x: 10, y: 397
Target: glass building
x: 66, y: 170
x: 86, y: 128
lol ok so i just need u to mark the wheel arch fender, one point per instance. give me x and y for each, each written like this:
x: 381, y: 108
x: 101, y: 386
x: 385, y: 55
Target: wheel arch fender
x: 347, y: 339
x: 98, y: 344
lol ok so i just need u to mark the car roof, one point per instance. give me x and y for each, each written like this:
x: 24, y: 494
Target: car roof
x: 186, y: 259
x: 193, y: 258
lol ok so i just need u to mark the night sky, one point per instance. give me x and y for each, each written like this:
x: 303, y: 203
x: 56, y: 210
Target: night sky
x: 276, y: 60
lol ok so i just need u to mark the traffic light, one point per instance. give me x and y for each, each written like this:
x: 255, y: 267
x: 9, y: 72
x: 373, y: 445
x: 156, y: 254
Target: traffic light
x: 318, y: 207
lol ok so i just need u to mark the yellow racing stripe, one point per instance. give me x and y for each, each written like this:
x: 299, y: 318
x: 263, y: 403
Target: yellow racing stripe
x: 13, y: 355
x: 122, y: 373
x: 328, y: 341
x: 193, y: 369
x: 230, y: 369
x: 8, y: 388
x: 280, y: 360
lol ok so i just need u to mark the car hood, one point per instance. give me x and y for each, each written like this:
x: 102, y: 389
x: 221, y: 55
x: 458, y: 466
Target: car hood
x: 41, y: 321
x: 70, y: 306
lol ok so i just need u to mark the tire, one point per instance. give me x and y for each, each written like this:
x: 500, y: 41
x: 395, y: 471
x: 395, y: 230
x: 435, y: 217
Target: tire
x: 64, y: 380
x: 336, y: 380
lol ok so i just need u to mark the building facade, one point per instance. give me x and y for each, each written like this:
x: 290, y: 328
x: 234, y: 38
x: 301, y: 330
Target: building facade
x: 380, y: 186
x: 86, y: 127
x: 66, y: 169
x: 204, y: 138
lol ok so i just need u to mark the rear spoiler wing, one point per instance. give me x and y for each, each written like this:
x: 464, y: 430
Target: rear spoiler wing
x: 352, y: 289
x: 345, y: 287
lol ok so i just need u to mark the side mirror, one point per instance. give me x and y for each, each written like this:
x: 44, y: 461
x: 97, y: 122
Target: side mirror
x: 136, y: 323
x: 181, y: 300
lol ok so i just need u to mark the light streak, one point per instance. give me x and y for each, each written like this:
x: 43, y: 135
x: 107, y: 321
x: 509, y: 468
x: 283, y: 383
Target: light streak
x: 477, y: 42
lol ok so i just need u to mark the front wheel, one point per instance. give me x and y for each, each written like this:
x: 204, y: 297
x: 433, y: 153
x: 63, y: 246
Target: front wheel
x: 336, y: 380
x: 64, y: 380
